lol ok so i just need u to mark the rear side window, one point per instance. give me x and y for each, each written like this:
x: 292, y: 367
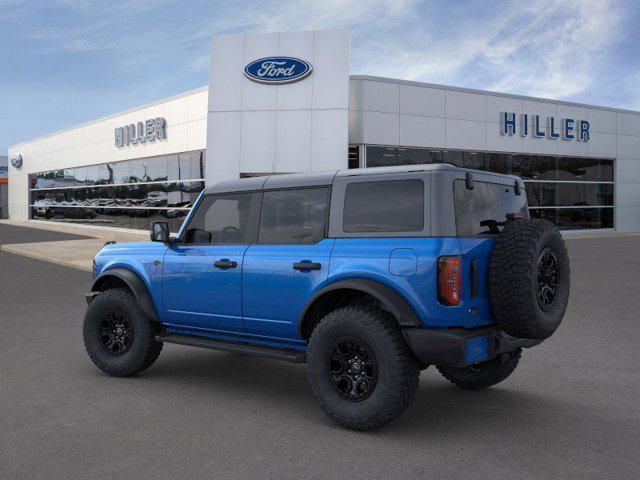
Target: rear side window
x: 229, y: 218
x: 384, y: 206
x: 483, y: 210
x: 297, y: 216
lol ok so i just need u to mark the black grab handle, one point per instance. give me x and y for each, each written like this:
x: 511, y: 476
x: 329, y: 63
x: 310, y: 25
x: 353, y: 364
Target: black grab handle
x: 225, y: 264
x: 307, y: 266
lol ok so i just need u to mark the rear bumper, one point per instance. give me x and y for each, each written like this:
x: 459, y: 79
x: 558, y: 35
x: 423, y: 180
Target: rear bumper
x: 459, y: 347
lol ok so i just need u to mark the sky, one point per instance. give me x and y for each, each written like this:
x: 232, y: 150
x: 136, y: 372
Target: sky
x: 66, y: 62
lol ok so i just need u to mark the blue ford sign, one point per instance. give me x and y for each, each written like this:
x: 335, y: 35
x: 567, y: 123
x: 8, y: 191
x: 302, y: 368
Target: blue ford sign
x: 278, y: 70
x: 16, y: 160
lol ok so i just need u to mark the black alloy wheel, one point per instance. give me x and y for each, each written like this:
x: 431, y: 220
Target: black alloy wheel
x: 118, y: 337
x: 353, y: 369
x: 547, y: 279
x: 116, y: 332
x: 529, y: 278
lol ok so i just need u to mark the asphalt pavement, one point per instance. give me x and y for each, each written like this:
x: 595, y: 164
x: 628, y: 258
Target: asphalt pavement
x: 570, y: 411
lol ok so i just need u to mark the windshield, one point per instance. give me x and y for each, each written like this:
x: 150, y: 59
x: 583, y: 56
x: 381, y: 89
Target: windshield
x: 484, y: 209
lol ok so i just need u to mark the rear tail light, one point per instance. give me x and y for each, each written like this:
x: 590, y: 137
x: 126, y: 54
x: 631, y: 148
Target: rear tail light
x: 449, y: 280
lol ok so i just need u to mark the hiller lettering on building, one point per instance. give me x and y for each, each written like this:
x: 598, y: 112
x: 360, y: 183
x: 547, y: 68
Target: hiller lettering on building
x: 147, y: 131
x: 532, y: 125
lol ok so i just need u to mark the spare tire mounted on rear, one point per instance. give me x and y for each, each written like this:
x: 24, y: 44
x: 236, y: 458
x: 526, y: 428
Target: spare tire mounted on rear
x: 529, y: 278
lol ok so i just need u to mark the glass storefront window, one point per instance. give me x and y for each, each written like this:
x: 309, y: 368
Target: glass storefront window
x: 570, y: 184
x: 92, y: 175
x: 453, y: 158
x: 120, y: 172
x: 382, y: 156
x: 576, y: 218
x: 129, y: 193
x: 158, y: 169
x: 585, y: 169
x: 569, y: 194
x: 534, y: 167
x: 477, y: 161
x: 499, y: 162
x: 105, y: 174
x: 416, y: 156
x: 138, y: 171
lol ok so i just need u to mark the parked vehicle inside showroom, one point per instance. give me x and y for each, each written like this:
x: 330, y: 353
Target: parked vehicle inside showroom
x: 367, y: 275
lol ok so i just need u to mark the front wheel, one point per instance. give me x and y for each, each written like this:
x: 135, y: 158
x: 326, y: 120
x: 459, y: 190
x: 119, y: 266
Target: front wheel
x: 485, y: 374
x: 118, y: 338
x: 360, y: 369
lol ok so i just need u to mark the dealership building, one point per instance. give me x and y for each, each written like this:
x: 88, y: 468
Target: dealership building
x: 286, y: 102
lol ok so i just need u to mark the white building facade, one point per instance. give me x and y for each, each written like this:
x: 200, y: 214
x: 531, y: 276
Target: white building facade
x: 285, y: 102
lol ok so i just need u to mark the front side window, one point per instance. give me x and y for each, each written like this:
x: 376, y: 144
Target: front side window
x: 294, y: 216
x: 484, y: 209
x: 384, y: 206
x: 229, y: 218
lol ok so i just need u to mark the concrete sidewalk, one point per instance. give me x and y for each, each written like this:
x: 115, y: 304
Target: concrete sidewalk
x: 76, y: 253
x: 69, y: 253
x: 105, y: 233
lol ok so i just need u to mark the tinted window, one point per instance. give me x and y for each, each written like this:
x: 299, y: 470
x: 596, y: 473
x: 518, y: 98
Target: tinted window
x: 569, y: 194
x: 157, y: 169
x: 138, y: 171
x: 382, y: 156
x: 227, y: 218
x: 294, y: 216
x: 484, y: 209
x: 535, y: 167
x: 391, y: 206
x: 576, y: 218
x: 389, y: 156
x: 120, y: 172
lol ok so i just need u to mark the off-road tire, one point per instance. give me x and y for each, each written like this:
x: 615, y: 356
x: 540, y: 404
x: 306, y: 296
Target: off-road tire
x: 514, y: 276
x: 485, y: 374
x: 398, y: 370
x: 144, y: 349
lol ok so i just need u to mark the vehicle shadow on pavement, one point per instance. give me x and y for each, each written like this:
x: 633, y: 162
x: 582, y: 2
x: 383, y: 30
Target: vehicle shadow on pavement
x: 441, y: 407
x: 438, y: 407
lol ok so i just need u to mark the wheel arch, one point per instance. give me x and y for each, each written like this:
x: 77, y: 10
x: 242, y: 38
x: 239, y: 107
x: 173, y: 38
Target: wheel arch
x: 341, y: 292
x: 123, y: 277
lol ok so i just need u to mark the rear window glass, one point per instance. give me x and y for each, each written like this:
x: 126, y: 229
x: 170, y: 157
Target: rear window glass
x: 388, y: 206
x: 483, y: 210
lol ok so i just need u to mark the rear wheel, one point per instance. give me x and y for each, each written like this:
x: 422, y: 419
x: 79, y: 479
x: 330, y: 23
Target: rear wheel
x: 360, y: 369
x: 118, y: 338
x: 485, y: 374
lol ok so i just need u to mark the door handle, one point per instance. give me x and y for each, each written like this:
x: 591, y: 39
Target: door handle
x: 224, y: 263
x: 307, y: 266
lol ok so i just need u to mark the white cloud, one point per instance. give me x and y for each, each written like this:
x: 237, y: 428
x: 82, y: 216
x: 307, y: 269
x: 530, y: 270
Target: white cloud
x: 540, y: 48
x: 543, y: 48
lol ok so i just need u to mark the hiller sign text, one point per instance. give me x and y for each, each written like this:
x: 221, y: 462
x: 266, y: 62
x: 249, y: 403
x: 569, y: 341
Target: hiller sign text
x: 525, y: 124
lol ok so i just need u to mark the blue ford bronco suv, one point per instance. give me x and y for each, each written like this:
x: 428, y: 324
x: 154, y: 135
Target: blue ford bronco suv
x: 367, y: 275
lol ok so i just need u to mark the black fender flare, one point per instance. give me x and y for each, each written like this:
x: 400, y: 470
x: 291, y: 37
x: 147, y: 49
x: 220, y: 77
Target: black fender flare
x: 395, y: 303
x: 135, y: 284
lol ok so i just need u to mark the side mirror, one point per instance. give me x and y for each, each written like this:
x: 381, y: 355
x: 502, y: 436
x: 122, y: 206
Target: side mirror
x: 160, y: 232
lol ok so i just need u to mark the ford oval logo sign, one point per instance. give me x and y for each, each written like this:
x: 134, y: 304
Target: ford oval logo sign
x: 278, y: 70
x: 16, y: 160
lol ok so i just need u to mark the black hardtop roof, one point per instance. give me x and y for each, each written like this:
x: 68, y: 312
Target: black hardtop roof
x: 298, y: 180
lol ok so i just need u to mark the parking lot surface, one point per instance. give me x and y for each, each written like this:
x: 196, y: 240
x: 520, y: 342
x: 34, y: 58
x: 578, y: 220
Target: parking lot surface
x: 570, y: 410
